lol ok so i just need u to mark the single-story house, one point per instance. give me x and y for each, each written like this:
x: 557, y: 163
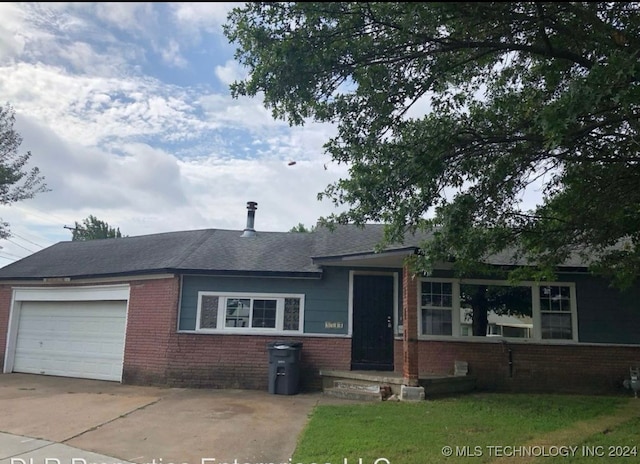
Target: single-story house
x: 199, y: 307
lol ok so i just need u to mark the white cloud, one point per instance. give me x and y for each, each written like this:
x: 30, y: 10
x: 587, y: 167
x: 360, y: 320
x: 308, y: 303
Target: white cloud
x: 244, y: 111
x: 82, y: 58
x: 230, y: 72
x: 171, y: 55
x: 126, y: 16
x: 90, y: 178
x: 144, y: 185
x: 11, y: 41
x: 208, y: 16
x: 91, y: 110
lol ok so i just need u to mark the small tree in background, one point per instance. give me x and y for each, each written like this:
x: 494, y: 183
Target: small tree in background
x: 302, y: 228
x: 93, y: 228
x: 16, y: 182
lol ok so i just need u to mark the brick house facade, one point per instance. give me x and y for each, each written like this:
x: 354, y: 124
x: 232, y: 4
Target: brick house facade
x: 166, y: 341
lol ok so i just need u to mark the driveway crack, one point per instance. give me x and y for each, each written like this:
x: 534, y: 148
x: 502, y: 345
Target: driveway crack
x: 96, y: 427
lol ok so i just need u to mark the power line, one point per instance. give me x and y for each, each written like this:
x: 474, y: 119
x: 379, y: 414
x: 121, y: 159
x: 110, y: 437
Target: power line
x: 17, y: 244
x: 11, y: 254
x: 25, y: 239
x: 29, y: 234
x: 49, y: 217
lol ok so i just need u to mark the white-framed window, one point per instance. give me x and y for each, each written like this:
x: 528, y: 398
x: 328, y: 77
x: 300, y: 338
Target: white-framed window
x: 556, y: 315
x: 436, y: 307
x: 534, y: 311
x: 250, y: 312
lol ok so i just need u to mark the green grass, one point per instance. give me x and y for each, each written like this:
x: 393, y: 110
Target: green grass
x: 415, y: 433
x: 620, y: 445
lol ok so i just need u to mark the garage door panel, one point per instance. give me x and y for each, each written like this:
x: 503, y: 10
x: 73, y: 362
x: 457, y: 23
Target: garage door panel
x: 71, y: 367
x: 71, y: 339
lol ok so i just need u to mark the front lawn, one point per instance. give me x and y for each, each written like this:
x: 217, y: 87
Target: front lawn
x: 474, y: 429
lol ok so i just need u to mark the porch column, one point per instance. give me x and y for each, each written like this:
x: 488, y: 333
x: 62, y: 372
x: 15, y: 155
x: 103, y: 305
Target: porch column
x: 410, y: 327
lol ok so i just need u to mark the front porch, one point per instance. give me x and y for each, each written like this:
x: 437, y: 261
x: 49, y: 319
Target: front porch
x: 384, y: 385
x: 383, y: 366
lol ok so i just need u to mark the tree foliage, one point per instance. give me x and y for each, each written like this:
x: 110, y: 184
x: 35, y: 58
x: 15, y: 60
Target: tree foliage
x: 17, y: 181
x: 448, y: 112
x: 93, y: 228
x: 302, y: 228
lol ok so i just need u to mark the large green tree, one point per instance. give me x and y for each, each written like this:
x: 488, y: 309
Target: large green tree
x: 93, y: 228
x: 448, y: 112
x: 17, y: 181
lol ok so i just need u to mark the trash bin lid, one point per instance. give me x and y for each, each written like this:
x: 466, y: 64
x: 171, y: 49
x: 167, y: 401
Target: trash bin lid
x: 282, y: 345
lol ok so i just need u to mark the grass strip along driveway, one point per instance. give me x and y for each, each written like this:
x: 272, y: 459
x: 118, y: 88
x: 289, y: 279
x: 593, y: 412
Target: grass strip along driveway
x: 479, y: 428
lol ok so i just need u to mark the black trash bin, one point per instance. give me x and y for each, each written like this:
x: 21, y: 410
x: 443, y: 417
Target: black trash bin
x: 284, y: 367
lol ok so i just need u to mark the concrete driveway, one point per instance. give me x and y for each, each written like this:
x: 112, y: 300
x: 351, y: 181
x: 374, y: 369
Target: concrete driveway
x: 47, y: 415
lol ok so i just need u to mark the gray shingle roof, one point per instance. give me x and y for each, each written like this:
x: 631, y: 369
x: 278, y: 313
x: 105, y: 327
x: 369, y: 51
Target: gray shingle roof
x: 107, y: 257
x: 205, y: 251
x: 352, y: 240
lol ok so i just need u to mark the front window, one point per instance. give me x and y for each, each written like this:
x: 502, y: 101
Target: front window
x: 496, y: 311
x: 238, y: 312
x: 209, y: 311
x: 437, y: 308
x: 291, y: 313
x: 555, y: 312
x: 483, y: 308
x: 249, y: 312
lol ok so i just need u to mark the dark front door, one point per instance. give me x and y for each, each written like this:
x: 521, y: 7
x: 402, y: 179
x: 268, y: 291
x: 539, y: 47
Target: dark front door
x: 372, y: 339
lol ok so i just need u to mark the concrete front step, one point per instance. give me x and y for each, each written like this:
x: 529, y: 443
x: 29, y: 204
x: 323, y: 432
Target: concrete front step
x: 355, y: 389
x: 352, y: 394
x: 390, y: 383
x: 356, y: 385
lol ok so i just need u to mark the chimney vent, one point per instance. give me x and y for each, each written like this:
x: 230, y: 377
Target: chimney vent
x: 249, y: 231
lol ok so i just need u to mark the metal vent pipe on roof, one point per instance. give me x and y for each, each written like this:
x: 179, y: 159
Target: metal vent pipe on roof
x: 249, y: 231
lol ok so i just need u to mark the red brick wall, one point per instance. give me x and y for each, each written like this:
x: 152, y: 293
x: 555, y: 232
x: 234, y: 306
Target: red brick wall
x: 410, y: 364
x: 536, y: 367
x: 151, y: 324
x: 5, y: 309
x: 242, y: 361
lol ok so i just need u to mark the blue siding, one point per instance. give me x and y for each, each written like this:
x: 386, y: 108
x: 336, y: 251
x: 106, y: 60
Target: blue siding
x: 605, y: 314
x: 326, y: 299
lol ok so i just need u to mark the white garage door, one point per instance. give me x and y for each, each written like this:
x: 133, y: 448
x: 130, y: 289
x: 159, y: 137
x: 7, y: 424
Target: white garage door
x: 71, y: 339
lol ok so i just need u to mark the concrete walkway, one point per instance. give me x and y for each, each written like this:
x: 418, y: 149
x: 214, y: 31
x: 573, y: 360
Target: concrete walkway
x: 17, y: 449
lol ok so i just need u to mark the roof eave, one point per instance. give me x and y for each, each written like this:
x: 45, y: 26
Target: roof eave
x: 250, y: 273
x: 366, y: 254
x: 71, y: 278
x: 208, y: 272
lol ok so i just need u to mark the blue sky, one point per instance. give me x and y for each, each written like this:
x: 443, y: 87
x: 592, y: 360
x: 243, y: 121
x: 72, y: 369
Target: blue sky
x: 125, y: 109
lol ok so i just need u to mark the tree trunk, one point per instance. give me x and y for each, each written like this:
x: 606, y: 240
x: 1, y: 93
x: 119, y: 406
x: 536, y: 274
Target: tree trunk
x: 480, y: 307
